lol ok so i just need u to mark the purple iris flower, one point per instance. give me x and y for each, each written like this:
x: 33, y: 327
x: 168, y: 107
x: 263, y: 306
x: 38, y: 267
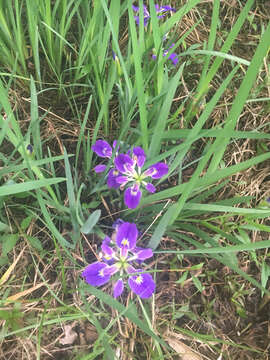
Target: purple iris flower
x: 128, y: 169
x: 146, y: 15
x: 173, y: 57
x: 118, y: 257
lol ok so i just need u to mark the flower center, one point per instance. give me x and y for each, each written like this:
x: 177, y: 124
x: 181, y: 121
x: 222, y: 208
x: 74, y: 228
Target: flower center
x: 139, y: 279
x: 125, y: 242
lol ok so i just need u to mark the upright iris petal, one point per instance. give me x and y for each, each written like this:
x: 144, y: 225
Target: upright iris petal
x: 94, y: 274
x: 132, y: 196
x: 124, y: 163
x: 102, y: 149
x: 139, y: 156
x: 142, y: 284
x: 127, y: 235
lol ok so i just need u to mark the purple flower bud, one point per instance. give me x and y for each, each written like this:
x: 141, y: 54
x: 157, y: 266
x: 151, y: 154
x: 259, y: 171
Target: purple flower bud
x: 94, y: 274
x: 118, y: 288
x: 100, y: 168
x: 142, y: 284
x: 102, y: 149
x: 139, y: 156
x: 127, y: 235
x: 150, y: 187
x: 132, y: 196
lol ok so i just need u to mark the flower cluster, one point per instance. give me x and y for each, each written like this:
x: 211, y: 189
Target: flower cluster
x: 128, y: 170
x: 118, y: 257
x: 160, y: 10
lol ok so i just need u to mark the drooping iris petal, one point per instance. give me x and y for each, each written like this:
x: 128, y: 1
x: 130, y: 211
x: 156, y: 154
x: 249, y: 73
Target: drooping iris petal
x: 150, y: 187
x: 94, y: 274
x: 142, y: 284
x: 143, y: 254
x: 111, y: 181
x: 124, y: 164
x: 157, y: 170
x: 100, y: 168
x: 139, y: 156
x: 118, y: 288
x: 132, y: 196
x: 126, y: 236
x: 102, y: 149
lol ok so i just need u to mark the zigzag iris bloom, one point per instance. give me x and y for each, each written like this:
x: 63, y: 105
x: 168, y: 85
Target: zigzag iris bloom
x: 118, y: 257
x: 129, y: 170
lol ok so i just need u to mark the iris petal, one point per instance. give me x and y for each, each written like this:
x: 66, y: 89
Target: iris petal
x: 126, y: 236
x: 118, y: 288
x: 142, y: 284
x: 102, y: 149
x: 132, y: 197
x: 93, y: 274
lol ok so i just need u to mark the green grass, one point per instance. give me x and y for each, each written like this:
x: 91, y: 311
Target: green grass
x: 54, y: 209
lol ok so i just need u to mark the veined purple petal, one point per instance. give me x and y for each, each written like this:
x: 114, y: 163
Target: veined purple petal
x: 126, y: 236
x: 124, y: 164
x: 139, y: 156
x: 100, y: 168
x: 142, y: 284
x: 102, y: 149
x: 143, y: 254
x: 94, y: 274
x: 150, y: 187
x: 118, y: 288
x: 111, y: 270
x: 122, y: 179
x: 157, y: 170
x: 111, y: 181
x: 132, y: 196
